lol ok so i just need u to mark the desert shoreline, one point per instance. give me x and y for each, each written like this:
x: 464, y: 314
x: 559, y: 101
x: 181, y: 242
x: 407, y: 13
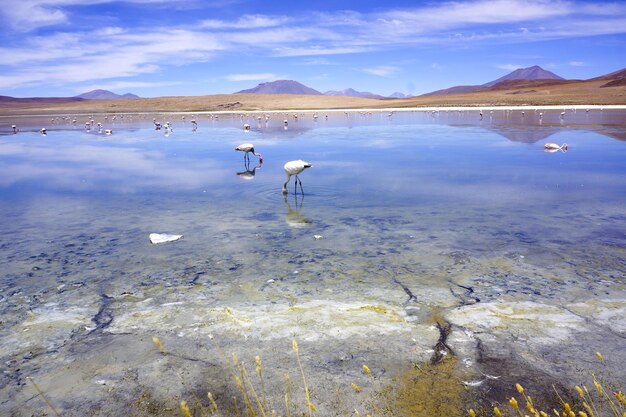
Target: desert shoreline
x: 56, y: 112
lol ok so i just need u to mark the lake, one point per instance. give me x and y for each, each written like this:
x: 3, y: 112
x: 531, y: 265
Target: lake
x: 447, y: 252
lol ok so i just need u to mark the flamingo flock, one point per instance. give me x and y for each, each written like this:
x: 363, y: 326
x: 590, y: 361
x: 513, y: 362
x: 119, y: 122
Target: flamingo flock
x: 292, y: 168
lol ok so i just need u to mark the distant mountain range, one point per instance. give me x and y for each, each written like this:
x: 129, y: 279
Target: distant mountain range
x: 7, y: 101
x: 281, y: 87
x: 530, y: 77
x: 104, y: 95
x: 523, y: 78
x: 294, y: 87
x: 514, y: 79
x: 534, y: 75
x: 350, y: 92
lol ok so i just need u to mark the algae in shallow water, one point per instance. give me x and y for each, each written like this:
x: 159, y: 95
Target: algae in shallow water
x: 428, y: 390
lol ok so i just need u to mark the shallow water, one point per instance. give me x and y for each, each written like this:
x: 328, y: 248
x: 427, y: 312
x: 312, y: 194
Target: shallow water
x: 425, y: 218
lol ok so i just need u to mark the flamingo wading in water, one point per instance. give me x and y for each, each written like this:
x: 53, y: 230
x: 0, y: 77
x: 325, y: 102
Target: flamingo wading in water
x: 248, y: 148
x: 295, y: 168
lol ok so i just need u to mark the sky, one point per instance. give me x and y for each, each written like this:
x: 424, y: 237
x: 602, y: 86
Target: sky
x: 158, y: 48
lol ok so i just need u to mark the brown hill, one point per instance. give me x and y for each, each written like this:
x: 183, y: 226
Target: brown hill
x: 104, y: 95
x: 612, y: 76
x: 10, y: 102
x: 534, y: 73
x: 512, y: 84
x: 564, y: 93
x: 280, y: 87
x: 459, y: 89
x: 531, y: 73
x: 615, y: 83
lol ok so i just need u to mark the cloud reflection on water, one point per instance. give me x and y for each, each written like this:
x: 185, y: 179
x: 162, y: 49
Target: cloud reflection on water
x: 110, y: 168
x: 359, y: 160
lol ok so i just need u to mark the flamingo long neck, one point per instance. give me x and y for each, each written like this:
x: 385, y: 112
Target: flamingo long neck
x: 286, y: 182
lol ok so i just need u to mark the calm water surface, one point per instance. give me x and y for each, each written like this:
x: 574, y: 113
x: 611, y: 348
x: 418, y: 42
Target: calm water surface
x: 425, y: 218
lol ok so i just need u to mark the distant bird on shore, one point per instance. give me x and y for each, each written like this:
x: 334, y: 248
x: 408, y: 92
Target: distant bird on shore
x: 553, y: 147
x: 108, y: 132
x: 295, y: 168
x: 248, y: 148
x: 43, y: 131
x: 15, y: 129
x: 246, y: 127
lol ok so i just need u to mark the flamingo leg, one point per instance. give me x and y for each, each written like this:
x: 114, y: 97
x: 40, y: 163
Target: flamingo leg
x: 295, y: 186
x: 301, y: 189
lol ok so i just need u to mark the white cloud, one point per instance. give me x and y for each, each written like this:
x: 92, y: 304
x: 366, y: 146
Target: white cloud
x: 317, y: 61
x: 123, y: 85
x: 381, y: 71
x: 577, y: 63
x: 25, y: 15
x: 116, y: 51
x: 108, y: 31
x: 250, y: 77
x: 249, y: 21
x: 62, y: 58
x: 318, y: 50
x: 509, y: 67
x: 457, y: 14
x: 323, y: 76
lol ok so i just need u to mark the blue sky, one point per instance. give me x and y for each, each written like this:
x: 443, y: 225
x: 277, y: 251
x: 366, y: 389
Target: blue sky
x: 167, y: 47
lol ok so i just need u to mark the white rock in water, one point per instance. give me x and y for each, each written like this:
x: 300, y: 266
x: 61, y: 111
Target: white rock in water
x: 156, y: 238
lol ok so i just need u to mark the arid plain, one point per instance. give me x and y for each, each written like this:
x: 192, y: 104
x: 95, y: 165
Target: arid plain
x: 592, y: 92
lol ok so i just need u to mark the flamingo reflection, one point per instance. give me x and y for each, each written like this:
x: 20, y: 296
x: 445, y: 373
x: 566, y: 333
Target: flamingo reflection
x: 293, y: 217
x: 249, y: 174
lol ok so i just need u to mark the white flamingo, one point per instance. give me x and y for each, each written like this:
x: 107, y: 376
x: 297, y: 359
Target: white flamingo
x: 249, y: 148
x: 553, y: 147
x: 295, y: 168
x: 43, y: 130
